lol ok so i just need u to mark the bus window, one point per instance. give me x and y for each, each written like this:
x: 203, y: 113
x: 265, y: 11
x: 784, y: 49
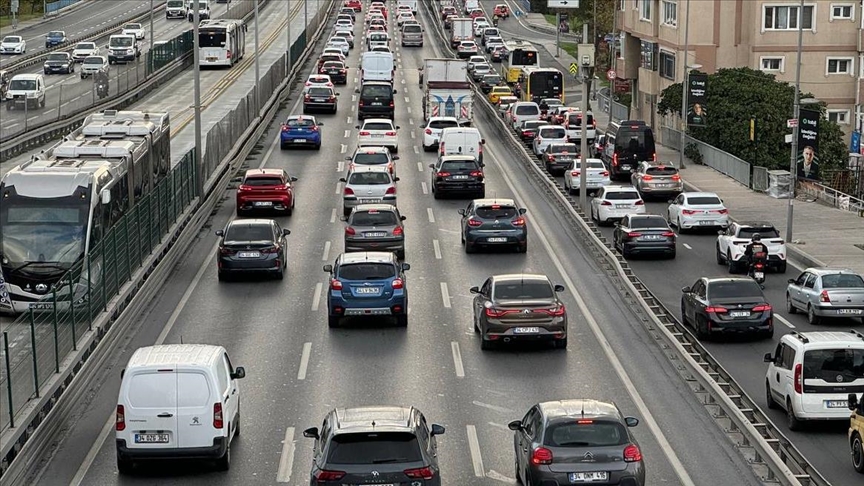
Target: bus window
x: 211, y: 38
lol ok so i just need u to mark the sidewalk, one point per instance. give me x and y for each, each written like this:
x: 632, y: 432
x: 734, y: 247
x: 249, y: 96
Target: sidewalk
x: 822, y: 236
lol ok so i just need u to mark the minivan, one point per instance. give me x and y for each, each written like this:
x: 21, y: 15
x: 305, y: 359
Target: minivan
x: 177, y: 401
x: 523, y: 111
x: 461, y: 141
x: 627, y: 143
x: 412, y: 35
x: 376, y: 100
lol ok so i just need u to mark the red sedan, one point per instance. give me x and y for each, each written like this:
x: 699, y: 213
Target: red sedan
x: 266, y: 189
x: 355, y: 4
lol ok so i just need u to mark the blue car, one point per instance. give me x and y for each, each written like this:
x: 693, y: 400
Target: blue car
x: 301, y: 130
x: 367, y: 284
x: 55, y: 38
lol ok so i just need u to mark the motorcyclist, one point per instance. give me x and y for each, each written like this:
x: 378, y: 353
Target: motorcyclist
x: 517, y: 89
x: 544, y: 108
x: 495, y: 20
x: 756, y: 251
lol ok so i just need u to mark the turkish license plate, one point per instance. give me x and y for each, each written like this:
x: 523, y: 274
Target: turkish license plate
x: 622, y: 206
x: 151, y: 438
x: 526, y: 330
x: 376, y: 484
x: 42, y: 305
x: 263, y: 204
x: 370, y: 201
x: 739, y: 314
x: 496, y: 240
x: 459, y: 177
x: 376, y: 234
x: 625, y: 167
x: 836, y: 404
x: 759, y: 274
x: 662, y: 185
x: 653, y: 237
x: 706, y: 223
x: 248, y: 254
x: 212, y: 59
x: 850, y: 311
x: 377, y: 103
x: 368, y: 290
x: 299, y: 140
x: 587, y: 477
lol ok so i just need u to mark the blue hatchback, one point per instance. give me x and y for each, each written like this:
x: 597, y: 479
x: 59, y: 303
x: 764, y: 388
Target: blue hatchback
x: 301, y: 130
x: 367, y: 284
x: 55, y: 38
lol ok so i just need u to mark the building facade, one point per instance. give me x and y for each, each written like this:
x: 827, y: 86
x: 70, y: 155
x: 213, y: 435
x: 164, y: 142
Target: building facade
x: 761, y: 34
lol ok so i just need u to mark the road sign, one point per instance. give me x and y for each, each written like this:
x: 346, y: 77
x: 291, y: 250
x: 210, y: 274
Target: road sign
x: 611, y: 74
x: 574, y: 69
x: 14, y: 6
x: 562, y: 3
x: 791, y: 123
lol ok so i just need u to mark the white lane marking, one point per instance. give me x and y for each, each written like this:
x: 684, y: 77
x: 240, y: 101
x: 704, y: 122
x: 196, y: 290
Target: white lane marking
x: 286, y: 461
x: 420, y: 166
x: 445, y: 295
x: 457, y: 359
x: 340, y: 166
x: 425, y: 187
x: 408, y: 108
x: 316, y: 298
x: 413, y: 135
x: 347, y: 133
x: 407, y: 100
x: 430, y: 214
x: 410, y: 121
x: 665, y: 446
x: 784, y: 321
x: 474, y: 447
x: 304, y: 361
x: 437, y: 248
x: 688, y: 246
x: 353, y: 97
x: 494, y: 407
x: 348, y: 120
x: 403, y: 81
x: 326, y: 255
x: 333, y: 216
x: 353, y: 107
x: 339, y: 187
x: 343, y: 148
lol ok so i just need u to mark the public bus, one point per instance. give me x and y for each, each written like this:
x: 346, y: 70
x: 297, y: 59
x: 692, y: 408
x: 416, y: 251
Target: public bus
x: 544, y: 83
x: 62, y: 202
x: 519, y: 54
x: 221, y: 42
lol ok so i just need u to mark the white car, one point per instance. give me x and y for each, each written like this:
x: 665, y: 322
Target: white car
x: 433, y: 128
x: 403, y: 8
x: 614, y: 202
x: 381, y: 48
x: 344, y: 24
x: 732, y: 243
x: 473, y: 60
x: 318, y: 81
x: 596, y: 178
x: 480, y: 24
x: 347, y: 35
x: 13, y: 44
x: 403, y: 16
x: 134, y: 29
x: 697, y: 210
x: 467, y: 49
x: 547, y: 135
x: 335, y: 50
x: 83, y: 50
x: 341, y: 43
x: 93, y: 65
x: 374, y: 16
x: 378, y: 132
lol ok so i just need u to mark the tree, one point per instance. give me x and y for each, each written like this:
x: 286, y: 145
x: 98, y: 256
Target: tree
x: 736, y: 95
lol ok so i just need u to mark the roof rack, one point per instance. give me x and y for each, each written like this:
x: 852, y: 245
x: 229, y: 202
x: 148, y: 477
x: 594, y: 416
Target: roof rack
x: 804, y: 339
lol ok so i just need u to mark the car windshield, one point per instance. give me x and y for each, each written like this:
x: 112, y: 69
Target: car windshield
x: 661, y: 171
x: 734, y: 289
x: 593, y: 434
x: 703, y: 200
x: 43, y: 232
x: 86, y: 46
x: 371, y: 158
x: 494, y: 79
x: 411, y: 29
x: 22, y: 84
x: 442, y: 124
x: 521, y: 290
x: 333, y: 65
x: 834, y: 365
x: 55, y: 34
x: 651, y: 222
x: 320, y: 92
x: 459, y: 165
x: 367, y: 271
x: 764, y: 232
x: 369, y: 178
x: 374, y: 218
x: 374, y: 448
x: 263, y: 181
x: 248, y: 232
x: 58, y: 56
x: 132, y: 27
x: 377, y: 126
x: 496, y: 212
x: 300, y: 123
x: 94, y: 60
x: 842, y: 281
x: 564, y: 148
x: 121, y: 42
x: 12, y: 39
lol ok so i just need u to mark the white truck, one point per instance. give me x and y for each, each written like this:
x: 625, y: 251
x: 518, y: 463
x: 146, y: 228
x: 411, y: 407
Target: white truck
x: 447, y: 91
x: 410, y: 3
x: 462, y: 29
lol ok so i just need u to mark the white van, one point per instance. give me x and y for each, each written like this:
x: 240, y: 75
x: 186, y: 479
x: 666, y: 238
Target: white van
x: 461, y: 141
x: 177, y: 401
x: 203, y: 10
x: 523, y: 111
x: 377, y: 66
x: 410, y: 3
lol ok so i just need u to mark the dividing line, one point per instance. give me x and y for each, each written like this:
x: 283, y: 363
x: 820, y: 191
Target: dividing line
x: 333, y: 216
x: 784, y: 321
x: 316, y: 298
x: 416, y: 149
x: 286, y: 461
x: 688, y: 246
x: 474, y: 447
x: 326, y: 255
x: 420, y: 166
x: 339, y: 188
x: 437, y: 247
x: 347, y: 133
x: 431, y: 216
x: 340, y: 166
x: 344, y: 148
x: 424, y: 187
x: 304, y: 361
x: 445, y: 295
x: 457, y: 359
x: 348, y: 120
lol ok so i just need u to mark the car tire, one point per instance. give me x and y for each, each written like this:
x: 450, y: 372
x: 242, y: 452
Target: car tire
x: 517, y: 472
x: 436, y: 194
x: 427, y: 148
x: 792, y: 421
x: 224, y: 463
x: 400, y: 254
x: 790, y: 307
x: 485, y: 345
x: 481, y: 194
x: 239, y: 213
x: 782, y: 267
x: 561, y: 343
x: 402, y: 321
x: 280, y: 274
x: 317, y: 146
x: 125, y: 466
x: 857, y: 446
x: 730, y: 263
x: 718, y: 254
x: 469, y: 247
x: 222, y: 276
x: 395, y: 149
x: 672, y: 255
x: 346, y: 211
x: 812, y: 318
x: 333, y: 321
x: 702, y: 329
x: 684, y: 314
x: 769, y: 399
x: 681, y: 229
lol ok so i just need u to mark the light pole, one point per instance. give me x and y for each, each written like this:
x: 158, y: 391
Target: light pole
x: 796, y: 112
x: 684, y: 86
x: 151, y: 25
x: 257, y: 55
x: 196, y: 59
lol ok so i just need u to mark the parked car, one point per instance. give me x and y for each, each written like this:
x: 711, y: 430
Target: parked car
x: 252, y: 246
x: 367, y: 284
x: 826, y: 293
x: 726, y: 305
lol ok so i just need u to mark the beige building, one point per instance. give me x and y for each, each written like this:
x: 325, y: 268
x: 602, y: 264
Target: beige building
x: 761, y: 34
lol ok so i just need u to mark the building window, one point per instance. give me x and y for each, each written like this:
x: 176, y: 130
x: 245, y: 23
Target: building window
x: 669, y: 12
x: 622, y: 5
x: 839, y: 65
x: 648, y: 56
x: 645, y: 9
x: 772, y: 64
x: 842, y: 11
x: 840, y: 117
x: 667, y: 65
x: 787, y: 17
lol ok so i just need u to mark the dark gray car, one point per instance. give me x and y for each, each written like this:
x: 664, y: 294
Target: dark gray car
x: 375, y: 227
x: 252, y: 245
x: 455, y: 174
x: 59, y: 62
x: 494, y: 222
x: 577, y: 441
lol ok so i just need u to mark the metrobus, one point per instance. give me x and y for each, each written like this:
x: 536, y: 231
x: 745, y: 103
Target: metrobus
x: 221, y: 42
x: 544, y: 83
x: 520, y: 54
x: 63, y: 201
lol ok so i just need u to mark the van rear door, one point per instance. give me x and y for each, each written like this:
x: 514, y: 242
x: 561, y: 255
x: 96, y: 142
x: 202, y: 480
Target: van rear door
x: 196, y: 401
x: 151, y: 409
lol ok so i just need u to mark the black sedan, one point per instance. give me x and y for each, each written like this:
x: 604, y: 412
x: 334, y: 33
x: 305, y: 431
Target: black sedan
x: 252, y: 245
x: 638, y: 234
x: 528, y: 129
x: 727, y: 305
x: 59, y: 62
x: 336, y: 70
x: 320, y: 98
x: 458, y: 174
x: 494, y: 222
x: 490, y: 80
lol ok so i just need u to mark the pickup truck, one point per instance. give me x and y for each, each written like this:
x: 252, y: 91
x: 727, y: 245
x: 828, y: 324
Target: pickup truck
x: 732, y: 243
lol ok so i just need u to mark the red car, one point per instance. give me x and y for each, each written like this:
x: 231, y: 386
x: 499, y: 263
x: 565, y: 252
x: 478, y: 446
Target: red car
x: 355, y: 4
x: 476, y: 13
x: 266, y: 189
x: 502, y: 11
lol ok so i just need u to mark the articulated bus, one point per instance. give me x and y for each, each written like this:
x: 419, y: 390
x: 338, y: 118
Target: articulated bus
x: 221, y: 42
x: 519, y: 54
x: 543, y: 83
x: 57, y: 206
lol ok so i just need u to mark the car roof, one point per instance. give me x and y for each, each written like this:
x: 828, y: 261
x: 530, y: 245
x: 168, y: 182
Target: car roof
x: 30, y: 76
x: 265, y: 172
x: 250, y: 222
x: 301, y: 117
x: 439, y: 118
x: 619, y: 188
x: 830, y: 271
x: 826, y: 337
x: 579, y: 407
x: 520, y: 277
x: 175, y: 355
x: 700, y: 194
x: 711, y: 280
x: 494, y: 201
x: 367, y: 257
x: 449, y: 157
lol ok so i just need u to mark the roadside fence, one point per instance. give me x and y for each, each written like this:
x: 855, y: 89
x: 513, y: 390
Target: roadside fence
x: 721, y: 161
x: 53, y: 7
x: 617, y: 112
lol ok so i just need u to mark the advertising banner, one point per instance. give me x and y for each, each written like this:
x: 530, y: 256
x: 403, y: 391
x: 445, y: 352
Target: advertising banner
x: 697, y: 110
x: 808, y: 144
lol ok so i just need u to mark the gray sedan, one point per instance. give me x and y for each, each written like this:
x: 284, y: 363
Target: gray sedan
x: 826, y: 293
x: 494, y: 222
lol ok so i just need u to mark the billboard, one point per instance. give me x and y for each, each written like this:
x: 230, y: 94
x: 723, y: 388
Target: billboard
x: 697, y: 110
x: 808, y: 144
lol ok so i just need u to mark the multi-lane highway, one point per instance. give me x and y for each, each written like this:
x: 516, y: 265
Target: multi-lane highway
x: 298, y: 369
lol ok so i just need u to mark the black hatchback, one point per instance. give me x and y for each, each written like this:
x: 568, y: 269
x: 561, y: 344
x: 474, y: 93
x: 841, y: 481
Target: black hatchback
x: 727, y: 305
x: 252, y: 245
x: 458, y: 174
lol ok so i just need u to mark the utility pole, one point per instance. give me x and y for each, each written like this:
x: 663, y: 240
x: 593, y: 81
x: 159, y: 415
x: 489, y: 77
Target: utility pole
x: 583, y: 149
x: 257, y: 55
x: 793, y: 156
x: 685, y: 87
x: 306, y: 18
x: 196, y: 59
x: 151, y: 25
x: 557, y: 34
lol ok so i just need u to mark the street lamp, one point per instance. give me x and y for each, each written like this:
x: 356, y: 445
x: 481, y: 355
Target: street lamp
x: 684, y: 84
x: 793, y: 156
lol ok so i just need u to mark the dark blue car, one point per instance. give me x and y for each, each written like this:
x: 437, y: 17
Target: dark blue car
x: 55, y: 38
x: 367, y: 284
x: 300, y: 131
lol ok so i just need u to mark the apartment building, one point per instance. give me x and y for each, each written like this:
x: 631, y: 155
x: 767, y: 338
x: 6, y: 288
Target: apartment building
x: 761, y: 34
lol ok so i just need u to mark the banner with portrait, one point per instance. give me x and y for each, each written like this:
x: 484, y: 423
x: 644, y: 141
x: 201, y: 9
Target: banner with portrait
x: 808, y: 144
x: 564, y: 23
x: 5, y: 299
x: 697, y: 109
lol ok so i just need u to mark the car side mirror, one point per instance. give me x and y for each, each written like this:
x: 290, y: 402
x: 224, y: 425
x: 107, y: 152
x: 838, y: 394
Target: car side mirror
x: 398, y: 127
x: 402, y: 218
x: 474, y: 290
x: 343, y: 218
x: 237, y: 179
x: 437, y: 429
x: 631, y: 421
x: 286, y: 231
x: 406, y: 267
x: 220, y: 232
x: 239, y: 373
x: 395, y: 179
x: 395, y: 157
x: 342, y: 179
x: 311, y: 433
x: 328, y: 268
x: 122, y: 373
x: 356, y: 90
x: 685, y: 290
x: 515, y: 425
x: 357, y: 126
x: 395, y: 92
x: 482, y: 141
x: 320, y: 124
x: 462, y: 212
x: 293, y: 179
x: 522, y: 210
x: 432, y: 166
x: 721, y: 232
x: 852, y: 401
x: 791, y: 281
x: 768, y: 358
x: 559, y: 288
x: 337, y: 94
x: 347, y: 158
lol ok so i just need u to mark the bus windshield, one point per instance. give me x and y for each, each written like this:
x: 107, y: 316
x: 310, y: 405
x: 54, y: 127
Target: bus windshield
x: 50, y: 231
x: 524, y: 57
x: 211, y: 38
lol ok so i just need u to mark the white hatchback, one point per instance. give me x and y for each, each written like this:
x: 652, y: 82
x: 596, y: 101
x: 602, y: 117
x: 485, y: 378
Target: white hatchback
x: 344, y: 24
x: 614, y: 202
x: 597, y: 176
x: 697, y: 210
x: 547, y: 135
x: 318, y: 81
x: 403, y: 16
x: 341, y: 43
x: 434, y: 127
x: 378, y: 132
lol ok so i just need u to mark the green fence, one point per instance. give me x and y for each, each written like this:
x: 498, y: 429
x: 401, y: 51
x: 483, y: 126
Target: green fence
x: 37, y: 342
x: 167, y: 51
x: 297, y: 49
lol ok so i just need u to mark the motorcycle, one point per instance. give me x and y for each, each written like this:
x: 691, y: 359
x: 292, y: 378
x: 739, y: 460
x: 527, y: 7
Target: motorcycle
x: 757, y: 270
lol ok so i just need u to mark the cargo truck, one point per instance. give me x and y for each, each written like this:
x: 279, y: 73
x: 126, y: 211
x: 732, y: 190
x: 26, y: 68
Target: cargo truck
x: 462, y: 29
x: 447, y: 91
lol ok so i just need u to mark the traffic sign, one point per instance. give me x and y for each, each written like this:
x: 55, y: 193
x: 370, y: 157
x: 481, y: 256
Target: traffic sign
x: 574, y: 69
x: 792, y: 123
x: 13, y: 7
x: 562, y: 3
x: 611, y: 74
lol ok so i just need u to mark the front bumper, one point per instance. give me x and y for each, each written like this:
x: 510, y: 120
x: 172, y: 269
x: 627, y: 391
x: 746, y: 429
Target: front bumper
x: 217, y: 450
x: 57, y: 69
x: 121, y: 57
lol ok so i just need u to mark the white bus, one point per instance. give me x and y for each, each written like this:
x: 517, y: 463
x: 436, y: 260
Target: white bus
x: 221, y: 42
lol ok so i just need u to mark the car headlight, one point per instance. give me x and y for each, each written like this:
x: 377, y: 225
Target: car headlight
x: 129, y: 51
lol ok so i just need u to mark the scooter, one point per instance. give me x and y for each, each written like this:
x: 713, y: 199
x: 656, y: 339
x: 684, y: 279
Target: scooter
x: 757, y: 271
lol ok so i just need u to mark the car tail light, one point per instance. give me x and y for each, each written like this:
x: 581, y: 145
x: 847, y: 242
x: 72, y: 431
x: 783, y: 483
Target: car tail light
x: 605, y: 203
x: 713, y: 309
x: 654, y: 157
x: 632, y: 453
x: 391, y: 190
x: 477, y: 173
x: 474, y: 223
x: 314, y: 128
x: 688, y: 211
x: 420, y: 473
x: 615, y: 159
x: 721, y: 211
x: 520, y: 221
x: 443, y: 174
x: 669, y: 233
x: 332, y: 98
x: 226, y: 251
x: 218, y: 423
x: 676, y: 177
x: 762, y: 308
x: 285, y: 128
x: 391, y: 104
x: 647, y: 177
x: 541, y: 455
x: 364, y: 134
x: 398, y: 231
x: 228, y: 54
x: 639, y: 203
x: 605, y: 173
x: 120, y: 420
x: 335, y: 284
x: 390, y: 134
x: 270, y: 250
x: 575, y: 173
x: 244, y: 187
x: 322, y: 476
x: 307, y: 98
x: 634, y: 234
x: 493, y: 312
x: 350, y: 231
x: 398, y: 283
x: 799, y: 379
x: 428, y: 131
x: 823, y: 296
x: 348, y: 191
x: 556, y: 311
x: 360, y: 103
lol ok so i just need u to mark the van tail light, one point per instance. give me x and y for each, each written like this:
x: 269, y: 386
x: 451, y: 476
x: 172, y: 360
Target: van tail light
x: 348, y: 191
x: 639, y: 203
x: 335, y: 284
x: 676, y: 177
x: 390, y: 134
x: 443, y: 174
x: 420, y: 473
x: 391, y: 190
x: 364, y: 134
x: 520, y: 221
x: 541, y: 455
x: 647, y: 177
x: 713, y: 309
x: 632, y: 453
x: 350, y: 231
x: 228, y: 54
x: 474, y: 223
x: 218, y: 423
x: 615, y: 159
x: 633, y: 234
x: 799, y: 379
x: 120, y: 420
x: 428, y: 131
x: 325, y: 475
x: 398, y: 231
x: 762, y: 308
x: 398, y: 283
x: 688, y: 211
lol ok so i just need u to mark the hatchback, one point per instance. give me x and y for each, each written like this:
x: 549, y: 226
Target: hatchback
x: 320, y: 98
x: 697, y: 210
x: 378, y: 131
x: 474, y: 60
x: 547, y: 135
x: 519, y: 307
x: 481, y: 70
x: 644, y: 234
x: 347, y: 35
x: 494, y: 222
x: 300, y: 130
x: 252, y: 245
x: 368, y: 184
x: 657, y: 179
x: 558, y: 157
x: 336, y: 70
x: 614, y: 202
x: 528, y: 129
x: 433, y: 128
x: 266, y: 189
x: 577, y: 441
x: 318, y: 81
x: 367, y: 284
x: 466, y: 49
x: 596, y: 178
x: 372, y: 155
x: 727, y: 305
x: 458, y: 174
x: 375, y: 227
x: 492, y: 42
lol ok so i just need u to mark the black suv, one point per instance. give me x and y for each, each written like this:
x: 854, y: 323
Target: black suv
x: 628, y: 143
x: 375, y: 444
x: 458, y: 174
x: 376, y: 100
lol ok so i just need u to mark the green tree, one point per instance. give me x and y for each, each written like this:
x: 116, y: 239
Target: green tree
x: 736, y: 95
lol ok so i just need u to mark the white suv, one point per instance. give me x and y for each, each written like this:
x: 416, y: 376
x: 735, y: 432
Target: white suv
x: 811, y: 374
x: 433, y: 128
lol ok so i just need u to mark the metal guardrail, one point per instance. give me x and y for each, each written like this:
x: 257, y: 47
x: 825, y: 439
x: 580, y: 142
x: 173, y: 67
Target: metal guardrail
x: 721, y: 161
x: 777, y: 458
x: 53, y: 7
x: 830, y: 196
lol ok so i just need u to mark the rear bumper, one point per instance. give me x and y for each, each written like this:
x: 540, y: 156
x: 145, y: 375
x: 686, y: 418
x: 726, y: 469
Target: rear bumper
x: 319, y: 106
x: 838, y: 311
x: 483, y: 239
x: 459, y: 187
x: 220, y: 444
x: 374, y: 245
x: 376, y: 111
x: 763, y: 326
x: 279, y: 204
x: 121, y: 57
x: 641, y: 248
x: 295, y: 140
x: 271, y: 264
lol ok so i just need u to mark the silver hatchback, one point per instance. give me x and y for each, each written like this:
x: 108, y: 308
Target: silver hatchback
x: 368, y: 184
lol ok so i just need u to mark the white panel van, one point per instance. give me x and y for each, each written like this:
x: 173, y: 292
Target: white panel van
x: 461, y: 141
x: 177, y: 401
x: 377, y: 66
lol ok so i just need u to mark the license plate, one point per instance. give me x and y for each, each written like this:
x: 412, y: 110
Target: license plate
x: 706, y: 223
x: 319, y: 100
x: 625, y: 167
x: 759, y: 274
x: 263, y: 204
x: 377, y: 135
x: 850, y: 311
x: 459, y: 177
x: 836, y: 404
x: 587, y: 477
x: 370, y: 201
x: 367, y: 290
x: 653, y: 237
x: 376, y: 484
x: 248, y: 254
x: 739, y: 314
x: 377, y: 103
x: 42, y: 305
x: 496, y: 240
x: 622, y: 206
x: 376, y: 234
x: 333, y: 72
x: 526, y: 330
x: 151, y: 438
x: 300, y: 140
x: 212, y: 59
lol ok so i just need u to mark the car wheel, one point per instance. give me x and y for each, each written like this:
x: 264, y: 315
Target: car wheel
x: 517, y: 472
x: 317, y: 146
x: 857, y: 453
x: 395, y: 149
x: 476, y: 325
x: 769, y: 399
x: 435, y: 194
x: 678, y: 224
x: 702, y: 329
x: 469, y: 247
x: 481, y: 194
x: 594, y: 216
x: 730, y: 263
x: 125, y: 466
x: 561, y: 343
x: 427, y: 148
x: 812, y: 318
x: 719, y: 254
x: 683, y: 314
x: 280, y: 274
x: 333, y: 321
x: 485, y: 345
x: 402, y: 321
x: 239, y: 212
x: 222, y: 276
x: 790, y: 307
x: 782, y: 267
x: 224, y: 462
x: 400, y: 254
x: 792, y: 421
x: 346, y: 211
